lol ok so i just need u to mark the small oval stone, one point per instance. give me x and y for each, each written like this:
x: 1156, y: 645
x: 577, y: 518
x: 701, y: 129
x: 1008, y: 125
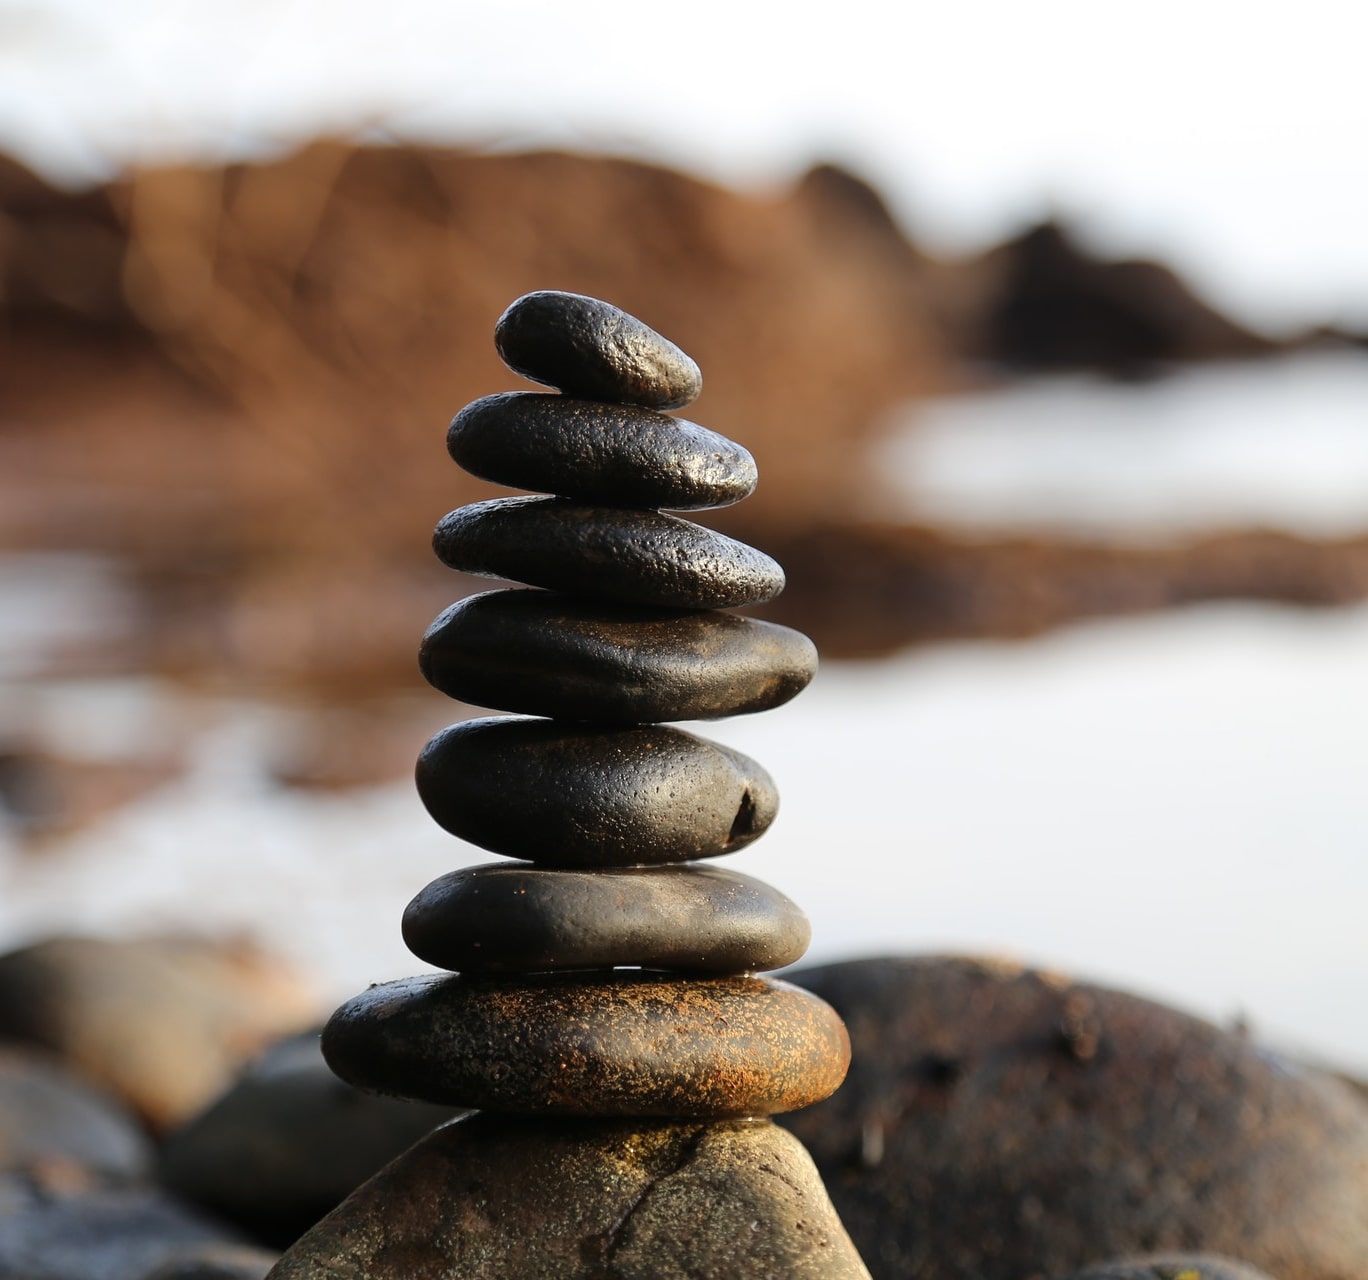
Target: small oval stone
x: 548, y: 654
x: 1171, y: 1266
x: 589, y: 348
x: 631, y: 1044
x: 515, y: 919
x: 620, y: 455
x: 642, y: 557
x: 581, y: 795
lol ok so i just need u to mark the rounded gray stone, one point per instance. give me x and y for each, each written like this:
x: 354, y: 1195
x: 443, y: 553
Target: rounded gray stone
x: 497, y: 1196
x: 514, y: 919
x: 628, y: 1042
x: 49, y: 1114
x: 548, y: 654
x: 642, y: 557
x: 593, y: 349
x: 96, y: 1232
x: 288, y: 1142
x: 1003, y: 1122
x: 620, y: 455
x: 217, y: 1262
x: 1171, y: 1266
x: 583, y: 795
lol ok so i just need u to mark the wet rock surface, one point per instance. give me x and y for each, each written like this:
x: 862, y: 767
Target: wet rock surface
x: 589, y: 348
x: 288, y: 1142
x: 641, y: 557
x: 509, y: 919
x: 575, y: 1200
x: 629, y: 1043
x: 161, y: 1023
x: 584, y: 795
x: 1000, y: 1122
x: 615, y: 454
x: 544, y: 653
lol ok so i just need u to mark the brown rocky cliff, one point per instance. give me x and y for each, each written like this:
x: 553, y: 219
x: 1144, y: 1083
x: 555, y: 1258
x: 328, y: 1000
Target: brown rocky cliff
x: 239, y: 379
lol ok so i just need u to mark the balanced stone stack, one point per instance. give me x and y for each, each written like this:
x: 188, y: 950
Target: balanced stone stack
x: 602, y: 1011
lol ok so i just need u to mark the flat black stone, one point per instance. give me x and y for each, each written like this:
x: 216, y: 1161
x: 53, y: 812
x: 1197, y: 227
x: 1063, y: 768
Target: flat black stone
x: 616, y: 454
x: 590, y: 796
x: 548, y: 654
x: 642, y: 557
x: 503, y: 918
x: 624, y: 1043
x: 593, y: 349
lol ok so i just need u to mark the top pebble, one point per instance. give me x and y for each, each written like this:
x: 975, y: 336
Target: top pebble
x: 592, y: 350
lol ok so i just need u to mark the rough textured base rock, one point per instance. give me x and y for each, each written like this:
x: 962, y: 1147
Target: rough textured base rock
x: 613, y: 454
x: 288, y: 1142
x: 586, y: 347
x: 586, y: 795
x: 1000, y: 1123
x: 517, y: 919
x: 641, y: 557
x: 547, y: 654
x: 629, y: 1043
x: 493, y: 1197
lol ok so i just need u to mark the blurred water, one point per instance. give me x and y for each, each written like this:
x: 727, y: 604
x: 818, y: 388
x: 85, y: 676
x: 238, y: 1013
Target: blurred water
x: 1173, y: 804
x: 1282, y: 443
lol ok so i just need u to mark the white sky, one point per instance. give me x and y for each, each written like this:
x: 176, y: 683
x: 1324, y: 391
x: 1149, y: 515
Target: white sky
x: 1228, y: 136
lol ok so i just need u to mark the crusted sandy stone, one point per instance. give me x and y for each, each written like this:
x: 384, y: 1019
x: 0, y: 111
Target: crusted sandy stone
x: 494, y: 1197
x: 627, y: 1043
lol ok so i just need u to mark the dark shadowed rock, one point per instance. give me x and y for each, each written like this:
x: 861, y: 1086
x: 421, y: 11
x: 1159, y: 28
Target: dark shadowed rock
x: 641, y: 557
x: 1173, y: 1266
x: 217, y: 1262
x: 615, y: 454
x: 102, y: 1233
x: 288, y: 1142
x: 162, y: 1023
x: 583, y: 795
x: 629, y: 1043
x: 511, y: 919
x: 1000, y: 1123
x: 494, y: 1197
x: 1056, y: 306
x: 547, y: 654
x: 589, y: 348
x: 50, y: 1117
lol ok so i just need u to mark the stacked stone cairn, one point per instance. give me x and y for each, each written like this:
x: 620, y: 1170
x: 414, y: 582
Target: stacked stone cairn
x: 602, y: 1012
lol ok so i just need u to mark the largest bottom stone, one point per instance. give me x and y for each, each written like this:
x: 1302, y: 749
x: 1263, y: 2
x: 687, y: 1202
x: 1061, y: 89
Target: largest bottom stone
x: 623, y: 1043
x: 496, y: 1196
